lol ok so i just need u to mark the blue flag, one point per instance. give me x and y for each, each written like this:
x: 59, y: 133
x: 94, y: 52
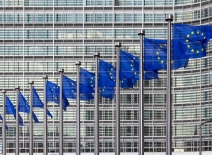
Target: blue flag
x: 37, y: 103
x: 70, y: 89
x: 206, y: 31
x: 53, y: 94
x: 87, y: 79
x: 24, y: 107
x: 191, y: 39
x: 107, y: 79
x: 155, y: 55
x: 129, y: 69
x: 194, y: 49
x: 2, y: 120
x: 10, y: 109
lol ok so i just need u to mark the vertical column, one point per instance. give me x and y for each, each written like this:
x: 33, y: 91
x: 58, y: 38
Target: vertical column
x: 4, y: 123
x: 117, y: 130
x: 17, y: 120
x: 61, y: 71
x: 200, y: 139
x: 97, y: 55
x: 141, y: 33
x: 31, y: 120
x: 169, y: 19
x: 78, y: 63
x: 45, y: 126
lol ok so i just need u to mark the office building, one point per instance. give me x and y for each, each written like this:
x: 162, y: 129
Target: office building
x: 39, y: 37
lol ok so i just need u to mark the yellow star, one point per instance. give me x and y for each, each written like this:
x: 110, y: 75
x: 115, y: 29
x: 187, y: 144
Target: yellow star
x: 186, y: 40
x: 172, y: 62
x: 197, y: 32
x: 197, y: 51
x: 188, y: 46
x: 192, y: 50
x: 158, y: 58
x: 202, y: 34
x: 192, y: 32
x: 162, y: 61
x: 188, y: 35
x: 157, y: 52
x: 202, y: 49
x: 164, y: 44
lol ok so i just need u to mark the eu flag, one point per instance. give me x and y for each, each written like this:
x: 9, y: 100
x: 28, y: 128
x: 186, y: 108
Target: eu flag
x: 129, y: 69
x: 2, y: 120
x: 70, y: 89
x: 206, y: 31
x: 24, y: 107
x: 10, y: 109
x: 194, y: 49
x: 191, y: 39
x: 107, y: 79
x: 155, y: 55
x: 37, y: 103
x: 87, y: 79
x: 53, y: 94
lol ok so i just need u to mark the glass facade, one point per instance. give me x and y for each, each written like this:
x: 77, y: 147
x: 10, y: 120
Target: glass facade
x: 39, y: 37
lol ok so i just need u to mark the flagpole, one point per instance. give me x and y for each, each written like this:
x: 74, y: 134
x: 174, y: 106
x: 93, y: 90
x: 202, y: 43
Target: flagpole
x: 45, y: 136
x: 61, y: 71
x: 169, y: 19
x: 141, y: 33
x: 17, y: 121
x: 117, y: 130
x: 31, y: 120
x: 78, y: 63
x: 4, y: 123
x: 97, y: 55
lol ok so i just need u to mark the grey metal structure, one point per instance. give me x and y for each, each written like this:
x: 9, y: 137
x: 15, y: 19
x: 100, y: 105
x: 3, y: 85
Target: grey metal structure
x: 61, y: 71
x: 96, y: 56
x: 17, y: 89
x: 4, y: 123
x: 45, y: 123
x: 117, y: 131
x: 141, y: 33
x: 169, y: 19
x: 31, y: 143
x: 78, y: 141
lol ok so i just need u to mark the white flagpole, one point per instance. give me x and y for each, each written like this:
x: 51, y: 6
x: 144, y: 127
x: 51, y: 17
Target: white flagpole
x: 169, y: 19
x: 31, y: 120
x: 141, y: 33
x: 45, y: 135
x: 117, y: 130
x: 4, y: 123
x: 17, y: 121
x: 78, y: 63
x: 61, y: 112
x: 97, y: 55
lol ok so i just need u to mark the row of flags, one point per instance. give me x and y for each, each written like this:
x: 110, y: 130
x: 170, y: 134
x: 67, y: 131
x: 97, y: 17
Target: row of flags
x: 188, y: 42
